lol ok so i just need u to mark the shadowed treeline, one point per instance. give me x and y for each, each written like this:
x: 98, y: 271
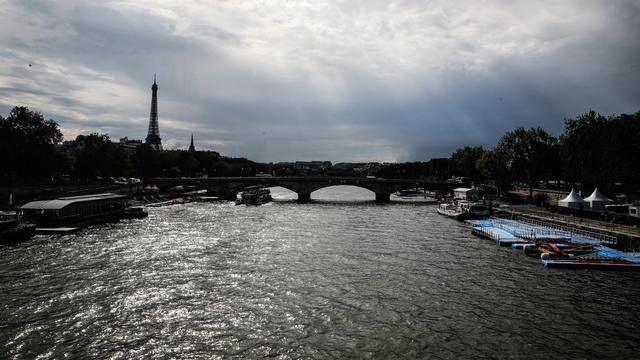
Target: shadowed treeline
x: 32, y: 151
x: 594, y: 150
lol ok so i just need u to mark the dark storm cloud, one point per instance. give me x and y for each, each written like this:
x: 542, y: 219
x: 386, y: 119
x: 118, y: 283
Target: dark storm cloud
x: 354, y: 80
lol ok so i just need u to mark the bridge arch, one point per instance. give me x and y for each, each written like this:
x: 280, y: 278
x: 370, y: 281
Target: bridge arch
x: 359, y: 193
x: 228, y: 187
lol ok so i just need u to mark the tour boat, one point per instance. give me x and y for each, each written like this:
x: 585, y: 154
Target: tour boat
x: 463, y: 210
x: 254, y: 195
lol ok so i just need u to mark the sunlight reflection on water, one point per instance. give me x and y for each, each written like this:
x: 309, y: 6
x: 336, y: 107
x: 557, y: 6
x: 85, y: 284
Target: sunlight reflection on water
x: 325, y: 279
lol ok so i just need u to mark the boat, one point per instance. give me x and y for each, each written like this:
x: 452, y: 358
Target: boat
x: 254, y: 195
x: 415, y: 192
x: 75, y: 211
x: 135, y: 212
x: 595, y: 263
x: 463, y: 210
x: 555, y: 250
x: 449, y: 209
x: 13, y: 229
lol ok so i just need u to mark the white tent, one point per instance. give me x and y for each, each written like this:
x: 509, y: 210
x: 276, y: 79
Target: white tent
x: 573, y: 201
x: 597, y: 200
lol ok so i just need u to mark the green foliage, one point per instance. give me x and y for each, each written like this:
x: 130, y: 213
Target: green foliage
x: 528, y: 153
x: 493, y: 165
x: 28, y: 145
x: 463, y: 162
x: 594, y: 150
x: 177, y: 163
x: 599, y: 151
x: 96, y: 155
x: 434, y: 169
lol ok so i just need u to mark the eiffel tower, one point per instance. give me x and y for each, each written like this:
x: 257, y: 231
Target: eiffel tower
x: 153, y: 135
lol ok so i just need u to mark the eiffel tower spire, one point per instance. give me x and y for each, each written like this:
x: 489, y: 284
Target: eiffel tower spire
x: 191, y: 147
x: 153, y: 135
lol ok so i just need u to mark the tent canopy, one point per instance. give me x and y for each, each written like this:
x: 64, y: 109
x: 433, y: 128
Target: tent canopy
x: 572, y: 201
x: 572, y: 198
x: 597, y: 196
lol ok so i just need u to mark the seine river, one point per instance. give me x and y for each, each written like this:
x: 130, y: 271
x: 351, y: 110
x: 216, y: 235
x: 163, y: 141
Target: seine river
x: 341, y: 277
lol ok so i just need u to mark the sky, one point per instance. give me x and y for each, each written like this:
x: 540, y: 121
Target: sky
x: 341, y: 80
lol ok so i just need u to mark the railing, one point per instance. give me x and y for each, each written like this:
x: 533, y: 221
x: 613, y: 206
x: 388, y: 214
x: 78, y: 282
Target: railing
x: 529, y: 232
x: 572, y: 230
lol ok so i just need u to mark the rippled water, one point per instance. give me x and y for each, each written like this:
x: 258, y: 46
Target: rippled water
x: 329, y: 279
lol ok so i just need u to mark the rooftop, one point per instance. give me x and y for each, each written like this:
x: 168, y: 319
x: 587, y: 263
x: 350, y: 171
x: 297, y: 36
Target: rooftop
x: 57, y: 204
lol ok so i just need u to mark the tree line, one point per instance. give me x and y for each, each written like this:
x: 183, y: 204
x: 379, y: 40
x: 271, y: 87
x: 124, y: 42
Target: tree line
x: 32, y: 150
x: 594, y: 150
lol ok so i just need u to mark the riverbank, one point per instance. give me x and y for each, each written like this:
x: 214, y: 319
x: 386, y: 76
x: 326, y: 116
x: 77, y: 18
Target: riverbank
x: 23, y: 193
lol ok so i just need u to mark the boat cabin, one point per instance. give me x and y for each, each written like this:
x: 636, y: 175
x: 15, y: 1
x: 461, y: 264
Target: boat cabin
x: 75, y: 210
x: 465, y: 194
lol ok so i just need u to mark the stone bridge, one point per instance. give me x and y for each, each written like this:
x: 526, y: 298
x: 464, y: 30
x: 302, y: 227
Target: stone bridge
x: 228, y: 187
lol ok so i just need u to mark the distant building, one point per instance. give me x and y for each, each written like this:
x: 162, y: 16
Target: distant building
x: 191, y: 147
x: 70, y: 144
x: 153, y: 134
x: 130, y: 145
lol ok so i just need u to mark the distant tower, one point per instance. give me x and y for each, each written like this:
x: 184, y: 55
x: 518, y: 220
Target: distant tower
x: 191, y: 147
x: 153, y: 135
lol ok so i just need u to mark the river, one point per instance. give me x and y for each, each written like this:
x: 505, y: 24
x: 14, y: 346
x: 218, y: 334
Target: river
x: 341, y: 277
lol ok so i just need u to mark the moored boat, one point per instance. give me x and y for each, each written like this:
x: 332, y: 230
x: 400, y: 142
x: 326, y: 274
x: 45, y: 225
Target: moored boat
x: 595, y: 264
x: 74, y: 211
x: 449, y: 209
x: 415, y: 192
x: 13, y: 229
x: 463, y: 210
x: 254, y: 195
x: 135, y: 212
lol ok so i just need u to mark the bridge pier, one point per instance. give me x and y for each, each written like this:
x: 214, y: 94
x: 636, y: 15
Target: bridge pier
x: 304, y: 196
x: 383, y: 197
x: 230, y: 196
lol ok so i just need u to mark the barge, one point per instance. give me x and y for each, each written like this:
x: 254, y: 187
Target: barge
x: 254, y: 195
x: 75, y: 211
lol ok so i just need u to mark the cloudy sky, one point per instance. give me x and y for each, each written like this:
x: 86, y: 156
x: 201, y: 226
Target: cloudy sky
x: 341, y: 80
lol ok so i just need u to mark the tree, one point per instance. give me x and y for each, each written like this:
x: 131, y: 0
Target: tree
x: 493, y: 165
x: 98, y: 156
x: 463, y: 161
x: 600, y: 151
x: 28, y: 144
x: 149, y: 162
x: 528, y: 153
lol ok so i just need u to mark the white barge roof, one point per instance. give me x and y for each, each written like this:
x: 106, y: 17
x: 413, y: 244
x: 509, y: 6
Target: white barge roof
x: 60, y: 203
